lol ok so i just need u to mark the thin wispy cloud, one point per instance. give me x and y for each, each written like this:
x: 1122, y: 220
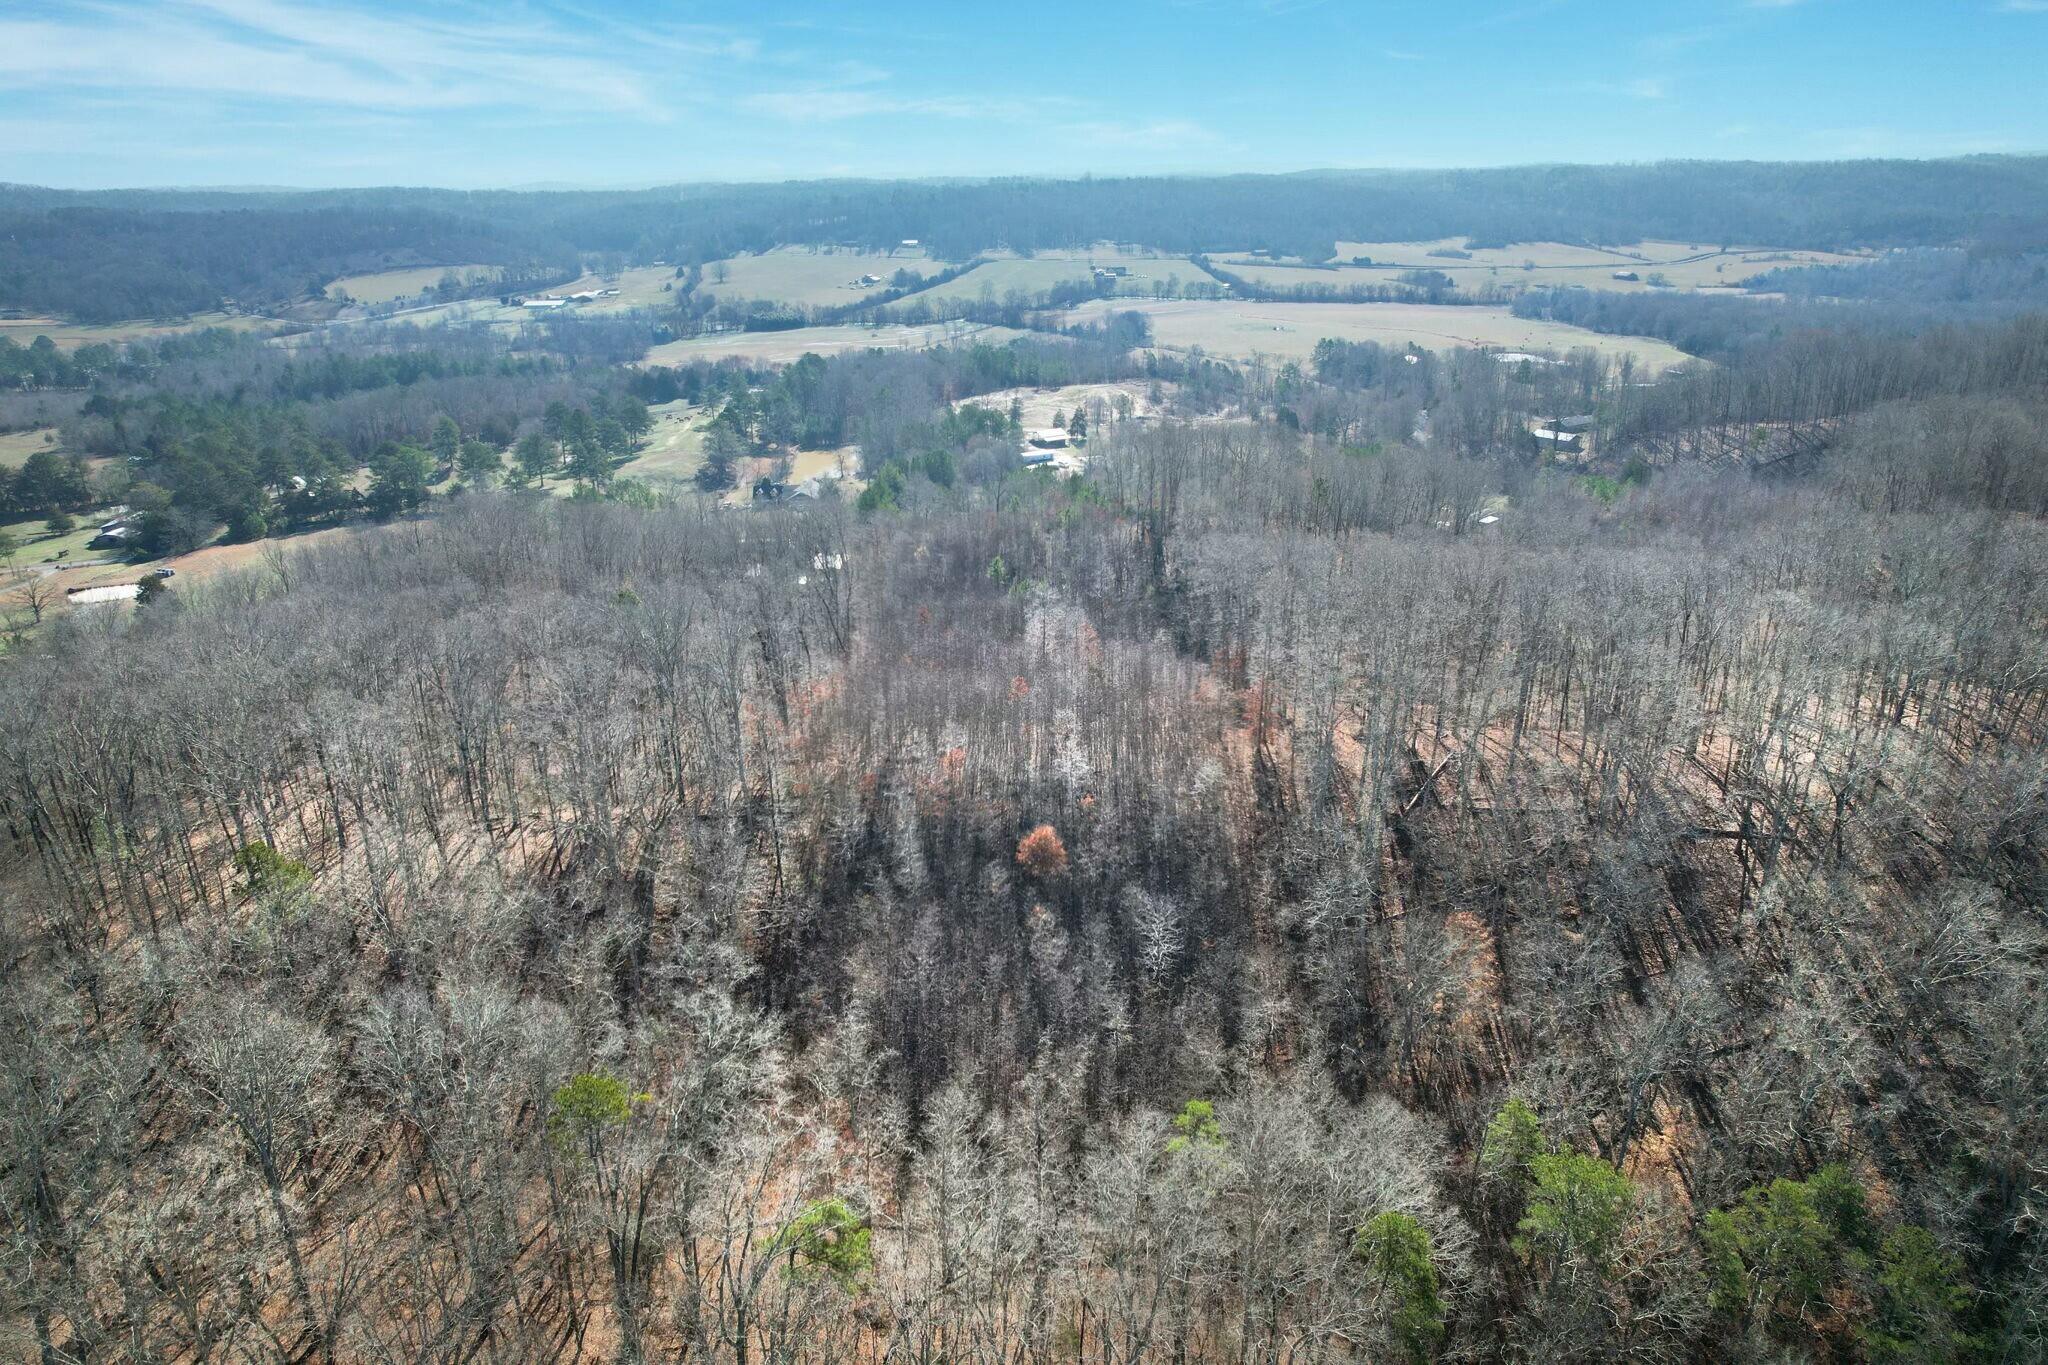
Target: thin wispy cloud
x: 1659, y: 45
x: 832, y: 104
x: 271, y: 50
x: 1639, y: 88
x: 1155, y: 135
x: 1514, y: 14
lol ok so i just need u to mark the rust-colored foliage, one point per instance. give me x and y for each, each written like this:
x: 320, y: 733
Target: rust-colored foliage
x: 1041, y: 853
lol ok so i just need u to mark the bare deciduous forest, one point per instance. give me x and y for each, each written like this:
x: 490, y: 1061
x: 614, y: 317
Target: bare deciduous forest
x: 1236, y: 906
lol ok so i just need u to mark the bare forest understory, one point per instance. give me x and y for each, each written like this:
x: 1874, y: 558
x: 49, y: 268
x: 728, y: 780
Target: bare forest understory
x: 1213, y: 912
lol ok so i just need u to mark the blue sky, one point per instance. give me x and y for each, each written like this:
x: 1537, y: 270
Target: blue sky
x: 522, y: 92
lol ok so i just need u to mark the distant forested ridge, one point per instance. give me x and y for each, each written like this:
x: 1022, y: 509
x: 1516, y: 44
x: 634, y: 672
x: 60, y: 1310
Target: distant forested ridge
x: 105, y: 264
x: 97, y: 255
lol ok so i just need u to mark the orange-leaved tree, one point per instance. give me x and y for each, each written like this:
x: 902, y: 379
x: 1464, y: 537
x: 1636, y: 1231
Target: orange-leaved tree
x: 1041, y: 853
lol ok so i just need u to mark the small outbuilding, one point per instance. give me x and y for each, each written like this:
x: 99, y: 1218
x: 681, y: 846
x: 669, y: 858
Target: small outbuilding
x: 769, y: 493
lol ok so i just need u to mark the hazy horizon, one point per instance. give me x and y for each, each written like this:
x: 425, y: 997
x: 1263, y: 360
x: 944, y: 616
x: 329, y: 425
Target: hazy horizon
x: 1219, y: 172
x: 283, y: 93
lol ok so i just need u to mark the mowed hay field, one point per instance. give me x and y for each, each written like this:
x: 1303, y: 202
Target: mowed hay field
x: 17, y: 446
x: 1275, y: 276
x: 1542, y: 265
x: 998, y: 278
x: 471, y: 312
x: 70, y: 336
x: 386, y: 286
x: 809, y: 277
x: 777, y: 348
x: 1515, y: 255
x: 1289, y: 331
x: 1707, y: 267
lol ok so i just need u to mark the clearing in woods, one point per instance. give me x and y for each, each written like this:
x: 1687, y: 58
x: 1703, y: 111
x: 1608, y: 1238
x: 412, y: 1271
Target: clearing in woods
x: 674, y: 446
x: 388, y: 286
x: 999, y: 277
x: 774, y: 348
x: 214, y: 560
x: 1289, y: 331
x: 840, y: 466
x: 1040, y: 406
x: 810, y: 277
